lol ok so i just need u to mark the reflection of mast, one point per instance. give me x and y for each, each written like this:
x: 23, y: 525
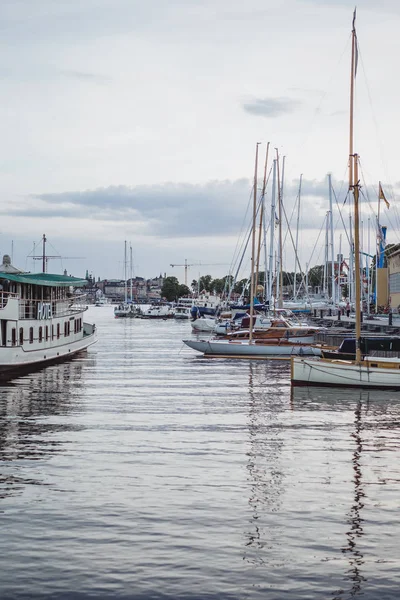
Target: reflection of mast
x: 354, y: 519
x: 265, y: 475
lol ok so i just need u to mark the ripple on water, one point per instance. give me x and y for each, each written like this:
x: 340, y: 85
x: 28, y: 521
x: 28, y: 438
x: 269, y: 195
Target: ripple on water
x: 140, y: 470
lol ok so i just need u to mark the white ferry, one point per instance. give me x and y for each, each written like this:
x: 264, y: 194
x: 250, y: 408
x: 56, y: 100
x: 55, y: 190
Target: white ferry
x: 41, y: 320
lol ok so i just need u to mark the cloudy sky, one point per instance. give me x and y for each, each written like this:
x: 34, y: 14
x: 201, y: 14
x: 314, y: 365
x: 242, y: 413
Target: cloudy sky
x: 124, y: 119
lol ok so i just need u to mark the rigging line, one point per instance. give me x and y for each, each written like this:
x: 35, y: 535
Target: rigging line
x: 340, y: 212
x: 317, y: 240
x: 295, y: 249
x: 242, y: 229
x: 377, y: 132
x: 323, y: 96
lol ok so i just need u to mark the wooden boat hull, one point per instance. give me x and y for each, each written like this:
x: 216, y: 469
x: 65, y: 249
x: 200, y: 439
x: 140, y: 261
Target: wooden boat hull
x: 372, y: 373
x: 255, y: 348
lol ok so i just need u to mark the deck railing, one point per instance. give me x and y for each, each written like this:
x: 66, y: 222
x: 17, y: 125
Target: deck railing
x: 29, y: 309
x: 4, y: 297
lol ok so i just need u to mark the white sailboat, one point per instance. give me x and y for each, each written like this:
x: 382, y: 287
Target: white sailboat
x: 367, y: 371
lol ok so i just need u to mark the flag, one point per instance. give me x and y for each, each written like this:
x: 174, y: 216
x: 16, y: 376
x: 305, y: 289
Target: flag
x: 382, y: 196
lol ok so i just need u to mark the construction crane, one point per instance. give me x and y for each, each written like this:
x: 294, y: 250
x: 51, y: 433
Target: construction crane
x: 186, y: 265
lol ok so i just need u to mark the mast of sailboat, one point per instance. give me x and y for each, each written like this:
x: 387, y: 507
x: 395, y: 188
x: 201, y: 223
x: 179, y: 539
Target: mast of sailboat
x: 297, y: 239
x: 272, y: 232
x: 126, y: 286
x: 280, y: 291
x: 354, y: 185
x: 131, y: 272
x: 261, y: 218
x: 253, y: 246
x: 332, y: 240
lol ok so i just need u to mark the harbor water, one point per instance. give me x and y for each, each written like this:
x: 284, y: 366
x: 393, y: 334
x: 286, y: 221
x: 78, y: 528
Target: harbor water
x: 141, y: 470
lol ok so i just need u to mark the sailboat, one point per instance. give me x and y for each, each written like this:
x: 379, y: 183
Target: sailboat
x: 364, y: 371
x: 127, y: 309
x: 282, y: 338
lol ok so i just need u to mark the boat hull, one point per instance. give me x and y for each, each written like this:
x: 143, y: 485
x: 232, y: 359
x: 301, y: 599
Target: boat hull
x: 309, y: 372
x: 244, y: 348
x: 20, y: 361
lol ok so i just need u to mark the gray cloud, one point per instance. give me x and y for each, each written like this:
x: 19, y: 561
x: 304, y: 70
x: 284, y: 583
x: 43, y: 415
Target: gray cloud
x: 180, y: 210
x: 271, y: 107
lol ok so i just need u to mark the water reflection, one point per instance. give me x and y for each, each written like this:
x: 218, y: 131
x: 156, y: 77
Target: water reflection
x: 265, y: 472
x: 373, y: 411
x: 29, y: 408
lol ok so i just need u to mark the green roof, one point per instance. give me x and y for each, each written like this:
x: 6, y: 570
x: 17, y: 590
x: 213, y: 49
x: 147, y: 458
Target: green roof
x: 45, y: 279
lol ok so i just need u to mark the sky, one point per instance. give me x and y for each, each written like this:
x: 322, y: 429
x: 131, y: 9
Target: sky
x: 138, y: 121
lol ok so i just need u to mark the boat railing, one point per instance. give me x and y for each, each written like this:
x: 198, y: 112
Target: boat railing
x: 4, y: 297
x: 30, y: 309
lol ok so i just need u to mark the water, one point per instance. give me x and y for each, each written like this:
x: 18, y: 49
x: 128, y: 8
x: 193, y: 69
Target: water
x: 143, y: 471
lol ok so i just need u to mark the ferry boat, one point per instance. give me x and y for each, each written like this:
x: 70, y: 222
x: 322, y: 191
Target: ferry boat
x: 41, y: 320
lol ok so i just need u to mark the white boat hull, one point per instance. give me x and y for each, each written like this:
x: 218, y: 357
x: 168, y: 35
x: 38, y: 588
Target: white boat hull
x: 245, y: 348
x: 16, y: 360
x: 338, y: 373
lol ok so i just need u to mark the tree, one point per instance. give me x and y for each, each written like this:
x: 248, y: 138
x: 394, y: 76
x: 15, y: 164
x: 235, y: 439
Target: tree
x: 205, y: 283
x: 316, y: 276
x: 239, y: 286
x: 218, y: 285
x: 183, y: 290
x: 170, y: 288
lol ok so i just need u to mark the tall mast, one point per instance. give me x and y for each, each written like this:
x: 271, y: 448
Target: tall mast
x: 354, y: 185
x: 332, y: 240
x: 44, y: 254
x: 126, y: 289
x: 297, y: 239
x: 280, y: 297
x: 272, y: 231
x: 325, y: 281
x: 253, y: 246
x: 131, y: 272
x: 261, y: 218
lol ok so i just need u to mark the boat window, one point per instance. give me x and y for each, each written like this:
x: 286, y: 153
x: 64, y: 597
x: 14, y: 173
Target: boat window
x: 58, y: 330
x: 40, y: 334
x: 69, y: 328
x: 47, y: 332
x: 21, y: 336
x: 52, y: 332
x: 13, y: 336
x: 31, y: 335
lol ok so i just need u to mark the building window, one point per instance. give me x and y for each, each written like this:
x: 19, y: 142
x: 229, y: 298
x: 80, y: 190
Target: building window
x: 13, y: 336
x: 58, y: 331
x: 21, y: 336
x: 47, y: 333
x: 31, y: 335
x: 40, y: 334
x: 394, y: 283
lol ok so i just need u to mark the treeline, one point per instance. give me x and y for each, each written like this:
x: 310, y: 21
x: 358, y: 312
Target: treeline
x: 173, y: 290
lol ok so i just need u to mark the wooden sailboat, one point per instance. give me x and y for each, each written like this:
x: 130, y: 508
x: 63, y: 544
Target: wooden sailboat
x: 367, y: 371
